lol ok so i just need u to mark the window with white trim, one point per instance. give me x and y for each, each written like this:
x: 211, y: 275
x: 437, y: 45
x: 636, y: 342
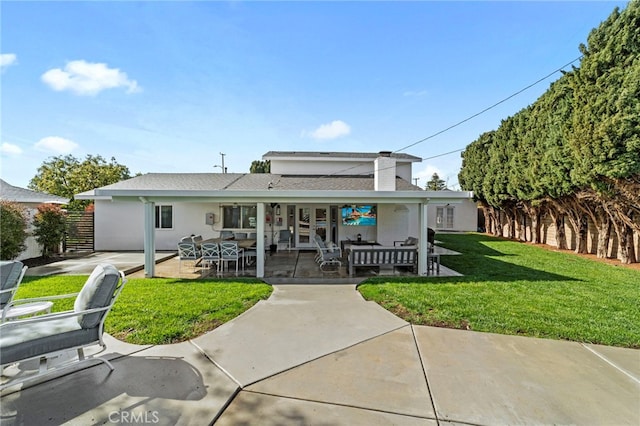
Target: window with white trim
x: 164, y: 217
x: 239, y: 217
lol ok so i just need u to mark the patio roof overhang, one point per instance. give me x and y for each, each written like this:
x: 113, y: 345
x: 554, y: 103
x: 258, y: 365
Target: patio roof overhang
x: 332, y: 196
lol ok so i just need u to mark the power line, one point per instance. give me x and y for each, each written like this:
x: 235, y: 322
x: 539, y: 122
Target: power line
x: 487, y: 109
x: 465, y: 120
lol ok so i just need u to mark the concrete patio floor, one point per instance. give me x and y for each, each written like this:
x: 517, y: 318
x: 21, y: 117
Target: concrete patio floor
x: 321, y: 354
x: 282, y: 267
x: 287, y: 266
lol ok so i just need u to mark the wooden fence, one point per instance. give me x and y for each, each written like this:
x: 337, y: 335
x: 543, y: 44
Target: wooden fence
x: 79, y: 233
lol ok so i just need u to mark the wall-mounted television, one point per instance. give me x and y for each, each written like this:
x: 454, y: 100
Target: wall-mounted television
x: 359, y: 215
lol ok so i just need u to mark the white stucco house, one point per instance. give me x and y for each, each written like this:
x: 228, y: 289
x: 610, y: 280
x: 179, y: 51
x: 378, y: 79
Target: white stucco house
x: 30, y: 200
x: 306, y: 192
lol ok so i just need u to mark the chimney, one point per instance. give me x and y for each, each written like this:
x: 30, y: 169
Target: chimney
x: 385, y: 172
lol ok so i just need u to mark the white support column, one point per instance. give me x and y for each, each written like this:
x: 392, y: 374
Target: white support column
x: 149, y: 238
x: 260, y: 258
x: 423, y: 239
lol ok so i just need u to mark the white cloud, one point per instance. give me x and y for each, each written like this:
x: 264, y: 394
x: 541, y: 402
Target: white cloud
x: 11, y: 149
x: 56, y: 144
x: 333, y: 130
x: 86, y: 78
x: 7, y: 59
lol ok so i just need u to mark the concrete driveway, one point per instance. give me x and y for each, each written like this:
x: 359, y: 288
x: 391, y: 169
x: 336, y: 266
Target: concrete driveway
x: 320, y: 354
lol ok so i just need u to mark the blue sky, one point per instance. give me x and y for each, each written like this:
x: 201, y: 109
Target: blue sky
x: 168, y: 86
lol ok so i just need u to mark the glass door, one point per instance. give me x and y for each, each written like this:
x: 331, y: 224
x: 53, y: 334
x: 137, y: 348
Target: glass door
x: 311, y: 221
x: 303, y: 224
x: 320, y: 221
x: 444, y: 217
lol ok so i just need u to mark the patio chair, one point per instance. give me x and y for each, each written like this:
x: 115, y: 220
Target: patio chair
x: 211, y: 255
x: 49, y: 335
x: 229, y: 252
x: 188, y: 252
x: 249, y: 255
x: 413, y: 241
x: 11, y: 273
x: 226, y: 234
x: 327, y: 255
x: 284, y: 237
x: 239, y: 235
x: 252, y: 235
x: 410, y: 241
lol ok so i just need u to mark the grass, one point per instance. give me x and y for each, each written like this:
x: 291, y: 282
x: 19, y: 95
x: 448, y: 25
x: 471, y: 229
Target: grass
x: 160, y: 311
x: 519, y: 289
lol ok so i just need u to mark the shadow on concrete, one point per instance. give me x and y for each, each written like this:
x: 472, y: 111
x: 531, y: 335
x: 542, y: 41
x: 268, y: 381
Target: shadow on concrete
x: 138, y: 385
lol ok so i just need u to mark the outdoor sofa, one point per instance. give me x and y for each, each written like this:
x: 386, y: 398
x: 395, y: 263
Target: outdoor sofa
x: 376, y: 255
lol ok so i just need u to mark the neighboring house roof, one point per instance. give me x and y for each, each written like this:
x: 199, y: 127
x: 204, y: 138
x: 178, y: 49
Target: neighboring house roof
x: 332, y: 156
x: 22, y: 195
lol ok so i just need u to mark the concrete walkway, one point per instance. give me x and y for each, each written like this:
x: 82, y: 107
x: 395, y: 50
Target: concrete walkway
x: 320, y: 354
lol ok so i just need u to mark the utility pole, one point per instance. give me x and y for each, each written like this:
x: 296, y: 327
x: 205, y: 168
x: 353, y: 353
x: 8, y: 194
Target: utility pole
x: 223, y: 169
x: 416, y: 181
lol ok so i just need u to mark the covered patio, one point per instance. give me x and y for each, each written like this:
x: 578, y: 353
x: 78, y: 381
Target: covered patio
x: 297, y: 266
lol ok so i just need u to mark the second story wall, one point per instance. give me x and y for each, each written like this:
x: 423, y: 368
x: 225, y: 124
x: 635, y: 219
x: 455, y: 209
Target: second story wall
x: 302, y: 166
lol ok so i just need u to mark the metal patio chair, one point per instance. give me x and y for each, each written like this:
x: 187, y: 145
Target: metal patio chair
x: 284, y: 237
x: 211, y: 255
x: 230, y: 252
x: 188, y: 252
x: 327, y: 255
x: 47, y: 336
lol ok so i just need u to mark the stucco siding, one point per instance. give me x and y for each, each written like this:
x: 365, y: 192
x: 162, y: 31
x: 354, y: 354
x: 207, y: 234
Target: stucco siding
x: 465, y: 216
x: 392, y: 225
x: 320, y: 167
x: 118, y: 225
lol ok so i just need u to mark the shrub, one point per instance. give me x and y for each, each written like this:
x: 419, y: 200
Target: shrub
x: 13, y: 229
x: 49, y: 227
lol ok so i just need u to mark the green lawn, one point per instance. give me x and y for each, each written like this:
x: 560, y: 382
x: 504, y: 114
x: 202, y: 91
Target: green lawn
x: 516, y: 288
x: 159, y: 311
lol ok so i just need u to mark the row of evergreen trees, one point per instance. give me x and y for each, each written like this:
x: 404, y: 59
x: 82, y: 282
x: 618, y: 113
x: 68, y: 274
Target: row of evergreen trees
x: 575, y: 152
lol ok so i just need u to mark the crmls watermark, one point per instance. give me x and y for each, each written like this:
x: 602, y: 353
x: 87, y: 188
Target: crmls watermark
x: 131, y: 417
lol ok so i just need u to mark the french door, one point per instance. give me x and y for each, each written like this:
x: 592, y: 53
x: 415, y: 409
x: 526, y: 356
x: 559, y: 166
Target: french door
x: 444, y: 217
x: 311, y: 220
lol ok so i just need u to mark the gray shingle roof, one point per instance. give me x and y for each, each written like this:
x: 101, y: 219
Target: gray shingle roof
x: 249, y: 182
x: 22, y: 195
x: 177, y: 182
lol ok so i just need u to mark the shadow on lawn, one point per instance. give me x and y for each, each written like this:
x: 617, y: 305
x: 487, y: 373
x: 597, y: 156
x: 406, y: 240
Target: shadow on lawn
x: 478, y: 262
x: 471, y: 244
